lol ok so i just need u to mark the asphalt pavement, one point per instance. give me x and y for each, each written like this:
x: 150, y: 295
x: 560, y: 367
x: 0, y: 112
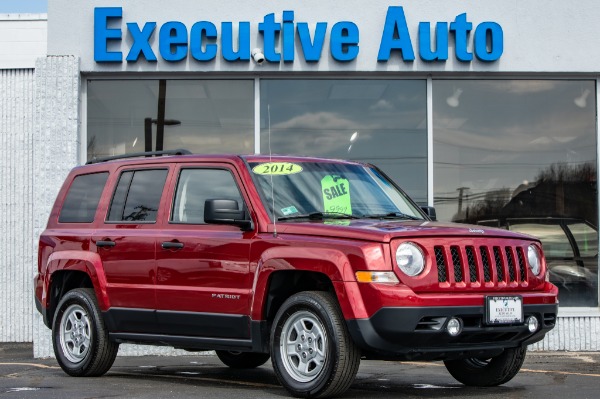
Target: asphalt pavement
x: 544, y: 375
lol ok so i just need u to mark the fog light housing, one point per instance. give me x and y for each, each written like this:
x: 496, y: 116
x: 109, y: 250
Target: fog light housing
x: 532, y: 324
x: 454, y: 326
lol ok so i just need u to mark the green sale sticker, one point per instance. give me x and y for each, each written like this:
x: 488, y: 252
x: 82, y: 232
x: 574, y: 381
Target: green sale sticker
x: 336, y: 194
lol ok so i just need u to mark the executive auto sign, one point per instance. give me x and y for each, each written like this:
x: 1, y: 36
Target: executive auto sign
x: 202, y: 40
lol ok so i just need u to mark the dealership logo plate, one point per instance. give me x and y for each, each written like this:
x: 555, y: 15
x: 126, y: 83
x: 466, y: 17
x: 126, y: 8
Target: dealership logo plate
x: 504, y: 310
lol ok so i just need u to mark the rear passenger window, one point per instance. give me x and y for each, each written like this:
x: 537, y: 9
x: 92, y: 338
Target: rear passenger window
x: 83, y: 198
x: 137, y: 196
x: 195, y: 186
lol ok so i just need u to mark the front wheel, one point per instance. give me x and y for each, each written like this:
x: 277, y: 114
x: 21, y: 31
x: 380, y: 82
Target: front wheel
x: 242, y: 360
x: 79, y: 337
x: 312, y: 352
x: 487, y: 372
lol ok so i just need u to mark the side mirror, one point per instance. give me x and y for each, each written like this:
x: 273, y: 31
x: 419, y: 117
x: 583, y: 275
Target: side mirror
x: 226, y: 211
x: 430, y: 211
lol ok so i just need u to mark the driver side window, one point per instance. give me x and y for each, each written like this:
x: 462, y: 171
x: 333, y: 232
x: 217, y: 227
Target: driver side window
x: 195, y: 186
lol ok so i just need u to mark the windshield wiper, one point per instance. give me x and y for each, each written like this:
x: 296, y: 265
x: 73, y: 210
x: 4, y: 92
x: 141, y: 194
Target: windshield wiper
x: 320, y: 216
x: 392, y: 215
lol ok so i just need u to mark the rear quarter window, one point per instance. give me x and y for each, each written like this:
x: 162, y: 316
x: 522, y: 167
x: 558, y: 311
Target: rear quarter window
x: 82, y: 198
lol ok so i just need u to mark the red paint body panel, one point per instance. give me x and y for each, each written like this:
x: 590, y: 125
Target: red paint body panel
x: 212, y: 262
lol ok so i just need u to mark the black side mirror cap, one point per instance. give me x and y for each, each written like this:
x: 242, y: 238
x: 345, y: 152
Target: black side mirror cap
x: 430, y: 211
x: 226, y: 211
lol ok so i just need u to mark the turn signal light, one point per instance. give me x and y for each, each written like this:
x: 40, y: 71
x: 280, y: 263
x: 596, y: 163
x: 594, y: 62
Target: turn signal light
x: 377, y: 277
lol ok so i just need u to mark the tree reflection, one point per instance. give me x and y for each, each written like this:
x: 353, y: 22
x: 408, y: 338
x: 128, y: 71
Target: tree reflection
x: 560, y: 209
x: 140, y: 213
x: 561, y: 190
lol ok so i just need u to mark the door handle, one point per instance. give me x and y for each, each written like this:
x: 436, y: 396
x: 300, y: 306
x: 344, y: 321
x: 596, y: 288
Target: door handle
x: 172, y: 245
x: 105, y: 243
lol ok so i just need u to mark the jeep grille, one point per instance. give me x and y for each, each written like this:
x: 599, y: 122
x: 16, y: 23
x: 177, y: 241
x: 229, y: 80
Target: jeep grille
x: 500, y: 264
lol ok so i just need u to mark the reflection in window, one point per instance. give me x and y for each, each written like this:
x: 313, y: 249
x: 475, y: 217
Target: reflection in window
x: 571, y: 249
x: 203, y: 116
x: 378, y: 121
x: 137, y: 196
x: 523, y: 149
x: 586, y: 238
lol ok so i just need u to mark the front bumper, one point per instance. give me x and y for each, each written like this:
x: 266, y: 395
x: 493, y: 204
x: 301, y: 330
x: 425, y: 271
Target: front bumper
x: 419, y: 333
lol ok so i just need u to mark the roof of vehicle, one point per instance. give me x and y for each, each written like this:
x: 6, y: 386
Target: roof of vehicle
x: 169, y: 156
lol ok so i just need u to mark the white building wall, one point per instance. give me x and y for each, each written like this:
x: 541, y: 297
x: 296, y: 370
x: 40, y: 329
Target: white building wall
x: 573, y: 333
x: 23, y: 38
x: 55, y: 151
x: 16, y: 204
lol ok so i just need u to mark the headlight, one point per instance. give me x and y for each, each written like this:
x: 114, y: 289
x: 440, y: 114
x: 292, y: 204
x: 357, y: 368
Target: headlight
x: 534, y: 259
x: 410, y: 259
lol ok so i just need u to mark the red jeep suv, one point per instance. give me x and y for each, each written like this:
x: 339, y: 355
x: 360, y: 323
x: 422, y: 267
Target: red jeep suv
x: 313, y: 263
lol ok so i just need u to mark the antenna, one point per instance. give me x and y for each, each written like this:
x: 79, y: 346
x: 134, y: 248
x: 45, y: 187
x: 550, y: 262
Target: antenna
x: 270, y: 160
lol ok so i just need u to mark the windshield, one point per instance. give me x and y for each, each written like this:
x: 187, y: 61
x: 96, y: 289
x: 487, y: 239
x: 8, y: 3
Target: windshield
x: 319, y: 190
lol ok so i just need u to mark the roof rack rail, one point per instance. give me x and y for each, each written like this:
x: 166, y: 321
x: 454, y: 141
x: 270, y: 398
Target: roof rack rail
x: 139, y: 154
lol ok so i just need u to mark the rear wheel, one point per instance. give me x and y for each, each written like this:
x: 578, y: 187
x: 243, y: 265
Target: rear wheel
x: 80, y: 340
x: 242, y: 360
x: 488, y: 372
x: 311, y: 349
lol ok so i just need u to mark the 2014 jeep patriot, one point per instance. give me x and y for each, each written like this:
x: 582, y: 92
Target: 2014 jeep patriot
x: 314, y: 263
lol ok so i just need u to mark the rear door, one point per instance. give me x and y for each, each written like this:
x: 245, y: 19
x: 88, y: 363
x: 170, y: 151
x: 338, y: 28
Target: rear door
x: 126, y: 243
x: 203, y: 281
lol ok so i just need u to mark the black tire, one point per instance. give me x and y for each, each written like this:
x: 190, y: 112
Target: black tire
x: 314, y: 328
x: 79, y: 337
x: 488, y: 372
x: 242, y: 360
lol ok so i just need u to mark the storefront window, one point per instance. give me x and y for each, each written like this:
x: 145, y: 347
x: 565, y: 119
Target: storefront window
x: 203, y: 116
x: 521, y: 155
x: 383, y: 122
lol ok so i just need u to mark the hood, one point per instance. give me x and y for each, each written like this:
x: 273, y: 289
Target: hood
x: 386, y: 230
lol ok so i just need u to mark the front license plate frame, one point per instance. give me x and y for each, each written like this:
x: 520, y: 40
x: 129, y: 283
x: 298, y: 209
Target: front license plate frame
x: 503, y: 310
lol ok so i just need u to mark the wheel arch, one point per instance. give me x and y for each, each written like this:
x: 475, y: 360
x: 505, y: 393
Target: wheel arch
x: 282, y: 284
x: 68, y: 270
x: 314, y: 268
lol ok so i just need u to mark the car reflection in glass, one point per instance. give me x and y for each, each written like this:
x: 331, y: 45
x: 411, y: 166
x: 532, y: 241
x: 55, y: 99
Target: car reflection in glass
x: 571, y: 250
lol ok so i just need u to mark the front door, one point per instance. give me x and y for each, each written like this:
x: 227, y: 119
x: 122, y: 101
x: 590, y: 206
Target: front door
x: 203, y: 282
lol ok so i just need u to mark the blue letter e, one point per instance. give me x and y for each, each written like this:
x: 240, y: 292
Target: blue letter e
x: 102, y: 34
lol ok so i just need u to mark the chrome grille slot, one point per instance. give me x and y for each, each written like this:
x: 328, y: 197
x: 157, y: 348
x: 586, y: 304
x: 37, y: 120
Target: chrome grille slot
x: 458, y: 275
x: 485, y: 258
x: 510, y: 258
x: 472, y: 264
x: 440, y: 261
x: 499, y: 263
x: 522, y: 267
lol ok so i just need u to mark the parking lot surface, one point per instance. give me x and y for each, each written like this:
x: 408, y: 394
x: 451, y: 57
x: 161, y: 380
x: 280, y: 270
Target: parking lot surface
x: 544, y: 375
